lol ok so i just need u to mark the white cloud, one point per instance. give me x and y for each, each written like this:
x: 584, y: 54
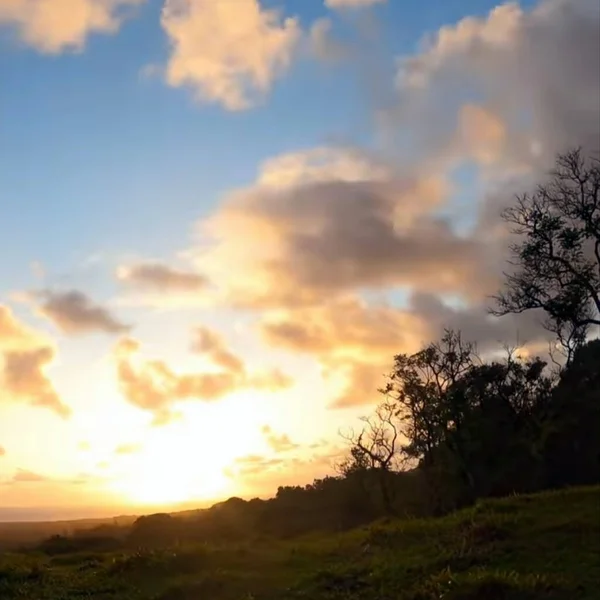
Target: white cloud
x: 535, y: 74
x: 227, y: 51
x: 53, y: 26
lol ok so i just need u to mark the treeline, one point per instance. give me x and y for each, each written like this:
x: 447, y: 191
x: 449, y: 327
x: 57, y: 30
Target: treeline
x: 454, y: 426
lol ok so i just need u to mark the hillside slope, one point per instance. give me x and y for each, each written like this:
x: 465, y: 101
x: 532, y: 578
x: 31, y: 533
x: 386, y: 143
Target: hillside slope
x: 521, y: 548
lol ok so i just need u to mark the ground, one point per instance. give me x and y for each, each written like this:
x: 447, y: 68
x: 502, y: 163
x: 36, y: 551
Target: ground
x: 543, y: 546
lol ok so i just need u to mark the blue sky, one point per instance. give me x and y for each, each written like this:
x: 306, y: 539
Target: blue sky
x: 97, y: 157
x: 176, y: 264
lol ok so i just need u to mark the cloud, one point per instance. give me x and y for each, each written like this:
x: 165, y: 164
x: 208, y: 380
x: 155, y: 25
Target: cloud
x: 53, y: 26
x: 13, y: 334
x: 212, y: 344
x: 74, y: 313
x: 342, y: 4
x: 274, y: 380
x: 260, y: 475
x: 23, y: 476
x: 127, y: 449
x: 355, y: 341
x: 254, y: 464
x: 227, y: 51
x: 155, y: 387
x: 25, y: 357
x: 278, y: 442
x: 329, y: 221
x: 161, y: 278
x: 2, y: 451
x: 522, y: 66
x: 323, y: 46
x: 322, y: 229
x: 24, y: 377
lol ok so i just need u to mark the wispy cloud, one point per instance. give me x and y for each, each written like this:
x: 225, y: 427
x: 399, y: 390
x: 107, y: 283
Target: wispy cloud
x: 159, y: 277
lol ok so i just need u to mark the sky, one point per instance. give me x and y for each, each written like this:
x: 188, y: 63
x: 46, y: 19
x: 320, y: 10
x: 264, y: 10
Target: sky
x: 221, y: 219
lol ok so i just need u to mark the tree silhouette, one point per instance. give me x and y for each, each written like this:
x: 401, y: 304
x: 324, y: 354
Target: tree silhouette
x: 557, y: 258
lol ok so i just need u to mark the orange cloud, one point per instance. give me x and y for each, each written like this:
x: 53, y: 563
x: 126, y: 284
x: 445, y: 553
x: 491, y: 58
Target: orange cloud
x: 227, y: 51
x: 13, y: 334
x: 24, y: 377
x: 278, y: 443
x: 23, y: 476
x: 355, y: 341
x: 210, y: 343
x: 153, y: 386
x: 24, y: 359
x: 52, y: 26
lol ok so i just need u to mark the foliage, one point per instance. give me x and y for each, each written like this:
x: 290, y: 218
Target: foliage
x: 532, y: 547
x: 557, y: 256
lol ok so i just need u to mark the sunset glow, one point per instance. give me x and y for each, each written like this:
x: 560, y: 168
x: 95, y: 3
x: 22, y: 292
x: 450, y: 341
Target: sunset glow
x: 222, y: 219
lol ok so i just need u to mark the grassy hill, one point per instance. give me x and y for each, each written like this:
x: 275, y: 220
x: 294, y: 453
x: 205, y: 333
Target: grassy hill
x: 521, y: 548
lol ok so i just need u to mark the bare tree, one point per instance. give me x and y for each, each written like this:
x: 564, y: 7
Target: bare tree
x: 557, y: 259
x: 377, y: 445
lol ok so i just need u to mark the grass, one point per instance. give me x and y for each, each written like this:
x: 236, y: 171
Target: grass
x: 545, y: 546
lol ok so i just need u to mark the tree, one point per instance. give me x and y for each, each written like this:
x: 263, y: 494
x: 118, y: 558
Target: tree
x: 557, y: 259
x: 418, y: 388
x: 572, y: 432
x: 375, y: 449
x: 408, y: 428
x: 470, y: 428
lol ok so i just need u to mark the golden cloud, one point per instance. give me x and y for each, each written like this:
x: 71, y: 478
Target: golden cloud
x: 212, y: 344
x: 25, y: 357
x: 324, y: 223
x: 154, y: 386
x: 227, y: 51
x: 24, y: 376
x: 278, y: 442
x: 52, y: 26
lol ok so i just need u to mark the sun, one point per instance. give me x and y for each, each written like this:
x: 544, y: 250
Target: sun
x: 188, y: 460
x: 168, y: 484
x: 170, y: 470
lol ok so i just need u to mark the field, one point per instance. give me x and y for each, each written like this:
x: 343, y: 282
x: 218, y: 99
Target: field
x: 521, y: 548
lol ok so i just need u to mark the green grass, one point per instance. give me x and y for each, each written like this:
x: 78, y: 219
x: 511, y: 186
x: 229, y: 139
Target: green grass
x: 545, y: 546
